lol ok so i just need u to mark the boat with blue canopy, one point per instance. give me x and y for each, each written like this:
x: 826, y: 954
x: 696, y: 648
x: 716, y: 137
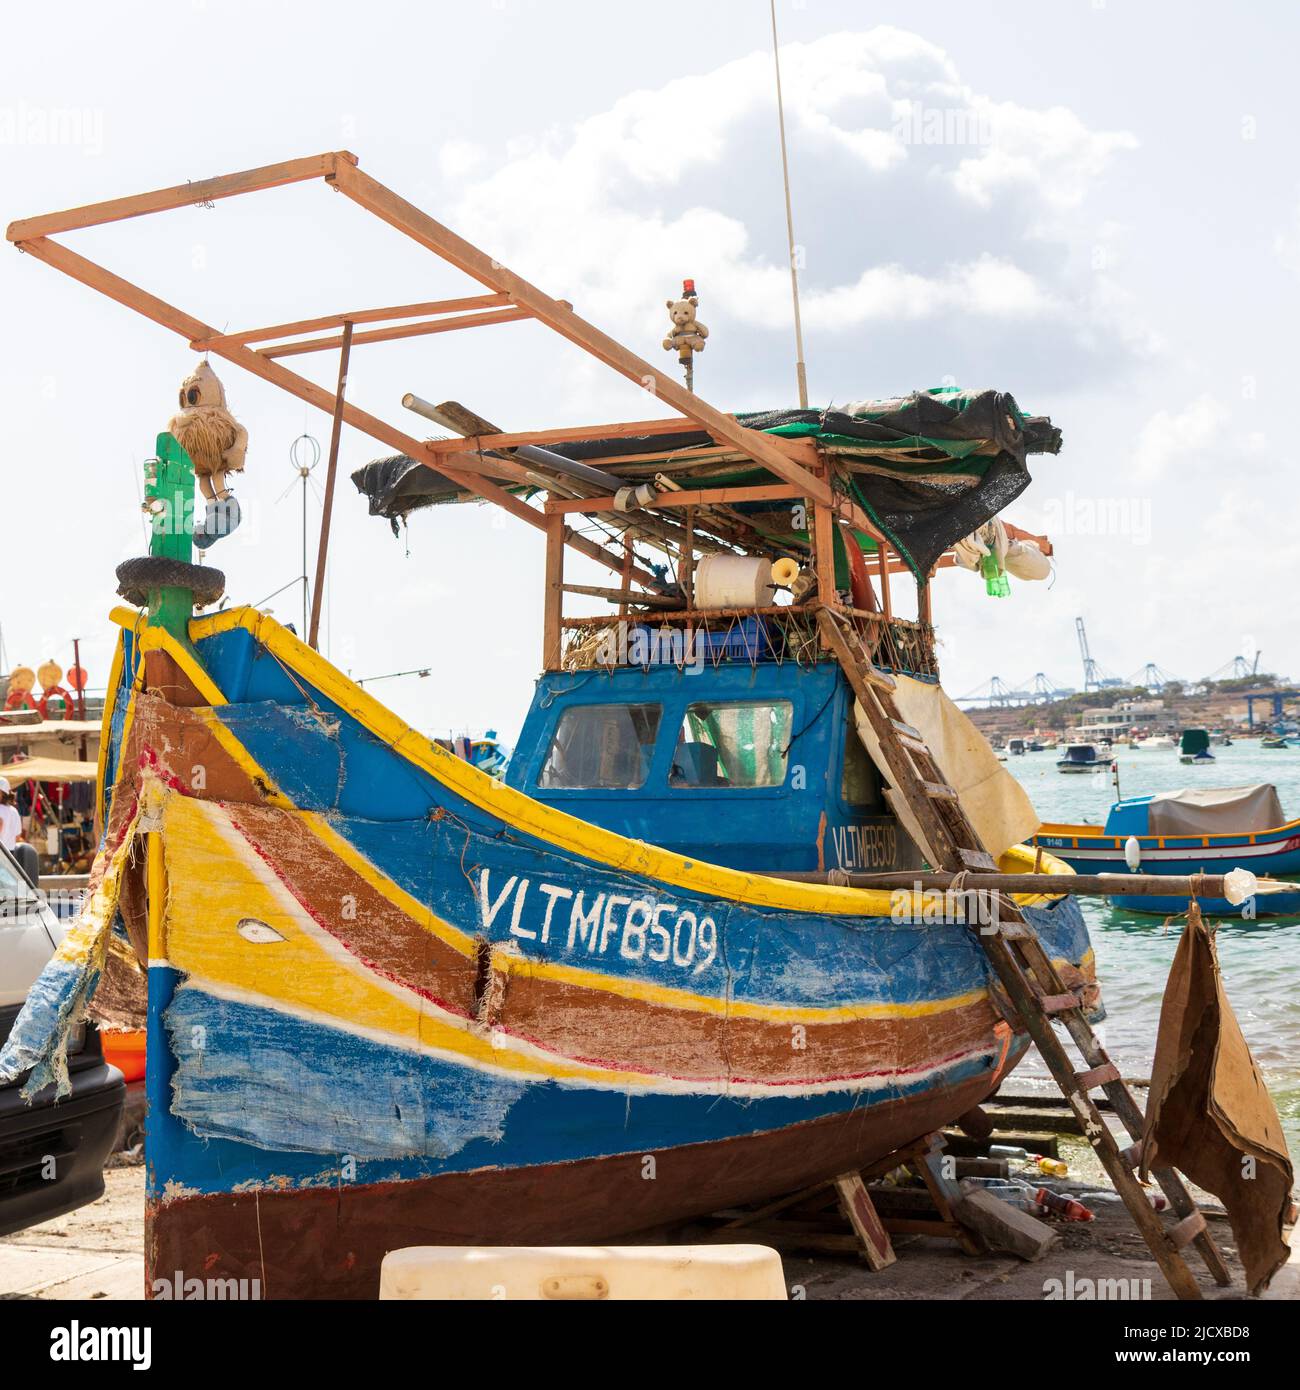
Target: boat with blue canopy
x: 1191, y: 831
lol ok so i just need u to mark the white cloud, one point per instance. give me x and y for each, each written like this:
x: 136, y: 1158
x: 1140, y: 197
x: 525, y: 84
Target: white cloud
x: 1172, y: 439
x: 1051, y: 152
x: 671, y: 181
x: 457, y: 158
x: 1286, y: 244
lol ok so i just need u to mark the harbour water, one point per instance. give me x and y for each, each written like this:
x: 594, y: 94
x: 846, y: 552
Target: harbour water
x: 1260, y: 959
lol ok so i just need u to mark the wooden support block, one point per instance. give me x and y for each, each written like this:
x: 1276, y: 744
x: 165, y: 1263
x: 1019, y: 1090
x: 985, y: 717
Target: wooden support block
x: 1131, y: 1156
x: 1098, y: 1076
x: 906, y: 729
x: 1004, y: 1227
x: 1057, y: 1003
x: 977, y: 859
x: 982, y: 1167
x: 855, y: 1203
x: 1186, y: 1230
x: 976, y: 1123
x: 913, y: 1226
x: 939, y: 791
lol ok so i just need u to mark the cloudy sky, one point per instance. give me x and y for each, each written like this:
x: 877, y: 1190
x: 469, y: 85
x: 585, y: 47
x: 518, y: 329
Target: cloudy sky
x: 1093, y: 204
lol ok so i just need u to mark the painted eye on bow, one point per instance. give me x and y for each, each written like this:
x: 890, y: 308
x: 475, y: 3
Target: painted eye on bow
x: 258, y: 932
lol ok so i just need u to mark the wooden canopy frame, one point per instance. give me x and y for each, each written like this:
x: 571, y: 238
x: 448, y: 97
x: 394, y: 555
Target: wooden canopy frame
x: 798, y: 467
x: 511, y: 298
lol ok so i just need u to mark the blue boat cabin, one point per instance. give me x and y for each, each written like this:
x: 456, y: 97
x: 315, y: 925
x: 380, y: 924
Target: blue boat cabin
x: 754, y: 766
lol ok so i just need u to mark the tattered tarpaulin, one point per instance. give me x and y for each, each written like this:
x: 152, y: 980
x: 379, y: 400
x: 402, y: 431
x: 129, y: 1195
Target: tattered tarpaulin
x: 1210, y: 1114
x: 1215, y: 810
x: 57, y: 1002
x: 929, y: 468
x: 994, y: 802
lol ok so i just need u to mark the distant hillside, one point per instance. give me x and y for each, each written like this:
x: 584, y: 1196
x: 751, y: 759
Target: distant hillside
x: 1209, y: 704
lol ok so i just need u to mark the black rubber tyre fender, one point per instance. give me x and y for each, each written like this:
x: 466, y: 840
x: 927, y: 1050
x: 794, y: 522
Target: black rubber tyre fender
x: 136, y: 577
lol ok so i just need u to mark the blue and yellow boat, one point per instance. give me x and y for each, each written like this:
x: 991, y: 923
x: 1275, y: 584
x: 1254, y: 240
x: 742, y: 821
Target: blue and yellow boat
x: 394, y: 1000
x: 1191, y: 831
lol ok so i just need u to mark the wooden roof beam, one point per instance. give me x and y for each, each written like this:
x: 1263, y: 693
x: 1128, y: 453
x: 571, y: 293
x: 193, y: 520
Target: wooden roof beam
x: 396, y: 311
x: 707, y: 497
x: 96, y: 277
x: 182, y: 195
x: 404, y: 330
x: 421, y: 228
x: 627, y: 429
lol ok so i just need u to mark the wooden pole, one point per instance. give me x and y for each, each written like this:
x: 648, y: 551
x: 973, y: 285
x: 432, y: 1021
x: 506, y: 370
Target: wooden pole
x: 882, y: 565
x: 553, y: 594
x: 81, y: 690
x: 336, y: 434
x: 1052, y: 885
x: 823, y: 532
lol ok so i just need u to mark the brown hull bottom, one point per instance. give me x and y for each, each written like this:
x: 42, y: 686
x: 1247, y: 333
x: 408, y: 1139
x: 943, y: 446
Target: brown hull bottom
x: 329, y: 1242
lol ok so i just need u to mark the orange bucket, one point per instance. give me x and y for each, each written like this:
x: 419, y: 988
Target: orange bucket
x: 124, y: 1049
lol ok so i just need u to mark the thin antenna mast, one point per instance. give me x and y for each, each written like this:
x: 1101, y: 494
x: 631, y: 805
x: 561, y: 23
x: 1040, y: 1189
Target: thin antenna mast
x: 800, y: 369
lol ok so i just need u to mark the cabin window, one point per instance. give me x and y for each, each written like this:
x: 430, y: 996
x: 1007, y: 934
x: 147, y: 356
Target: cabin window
x: 602, y: 746
x: 736, y: 744
x: 860, y: 785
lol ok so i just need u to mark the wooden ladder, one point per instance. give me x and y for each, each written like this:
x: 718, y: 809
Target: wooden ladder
x: 1032, y: 983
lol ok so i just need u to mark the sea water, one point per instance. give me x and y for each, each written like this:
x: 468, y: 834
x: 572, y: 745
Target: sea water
x: 1260, y: 959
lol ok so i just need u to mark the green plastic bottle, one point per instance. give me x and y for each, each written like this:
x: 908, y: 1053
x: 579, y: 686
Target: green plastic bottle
x: 996, y: 584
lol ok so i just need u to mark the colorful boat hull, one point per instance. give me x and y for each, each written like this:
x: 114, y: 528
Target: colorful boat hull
x: 392, y: 1001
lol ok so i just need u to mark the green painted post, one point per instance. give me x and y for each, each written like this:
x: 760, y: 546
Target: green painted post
x: 169, y: 500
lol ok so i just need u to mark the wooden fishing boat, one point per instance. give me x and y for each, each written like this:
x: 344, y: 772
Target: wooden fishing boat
x: 1195, y: 830
x: 392, y: 1000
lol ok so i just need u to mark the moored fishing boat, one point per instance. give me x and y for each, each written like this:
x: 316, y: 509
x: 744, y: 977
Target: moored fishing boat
x: 1080, y: 757
x: 394, y: 1000
x: 1191, y: 831
x: 1194, y: 747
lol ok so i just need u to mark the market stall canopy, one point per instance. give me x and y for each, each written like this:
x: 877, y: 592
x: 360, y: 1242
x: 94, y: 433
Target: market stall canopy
x: 928, y: 468
x: 49, y: 728
x: 48, y: 770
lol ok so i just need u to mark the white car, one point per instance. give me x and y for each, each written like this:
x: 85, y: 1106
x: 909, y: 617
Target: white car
x: 52, y: 1152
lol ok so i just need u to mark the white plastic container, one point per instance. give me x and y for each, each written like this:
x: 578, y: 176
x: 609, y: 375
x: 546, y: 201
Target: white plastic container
x: 733, y: 581
x: 572, y: 1273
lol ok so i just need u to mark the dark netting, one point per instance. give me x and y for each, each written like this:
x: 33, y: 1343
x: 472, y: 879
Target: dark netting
x: 398, y: 485
x: 928, y: 468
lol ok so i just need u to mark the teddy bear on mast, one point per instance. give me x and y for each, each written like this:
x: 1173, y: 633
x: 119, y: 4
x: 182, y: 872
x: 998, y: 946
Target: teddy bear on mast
x: 687, y: 335
x: 216, y: 443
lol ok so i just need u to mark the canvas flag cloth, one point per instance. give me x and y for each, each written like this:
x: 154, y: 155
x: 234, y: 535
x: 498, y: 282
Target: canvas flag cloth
x: 995, y: 803
x: 1210, y: 1114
